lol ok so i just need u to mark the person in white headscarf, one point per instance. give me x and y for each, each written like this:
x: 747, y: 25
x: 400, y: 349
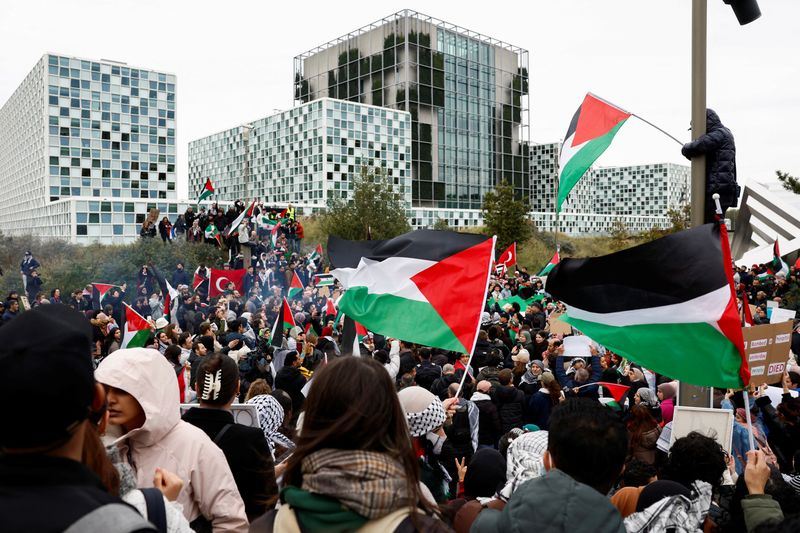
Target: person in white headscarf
x: 270, y: 418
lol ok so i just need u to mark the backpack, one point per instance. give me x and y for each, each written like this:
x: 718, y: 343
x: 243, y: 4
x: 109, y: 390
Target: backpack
x: 117, y: 517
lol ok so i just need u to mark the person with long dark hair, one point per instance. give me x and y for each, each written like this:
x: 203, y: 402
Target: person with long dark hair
x: 644, y: 431
x: 354, y: 464
x: 244, y: 447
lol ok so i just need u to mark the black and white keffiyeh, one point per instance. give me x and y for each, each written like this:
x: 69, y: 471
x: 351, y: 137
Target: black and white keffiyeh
x: 270, y: 418
x: 524, y: 461
x: 424, y: 411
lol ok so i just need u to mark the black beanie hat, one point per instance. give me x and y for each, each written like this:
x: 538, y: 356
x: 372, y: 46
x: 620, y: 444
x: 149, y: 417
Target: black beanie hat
x: 48, y: 376
x: 486, y: 474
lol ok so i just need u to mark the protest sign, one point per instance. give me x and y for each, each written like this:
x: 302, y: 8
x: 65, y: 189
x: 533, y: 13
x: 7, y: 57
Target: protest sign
x: 781, y: 315
x: 714, y: 423
x: 767, y: 349
x: 558, y: 326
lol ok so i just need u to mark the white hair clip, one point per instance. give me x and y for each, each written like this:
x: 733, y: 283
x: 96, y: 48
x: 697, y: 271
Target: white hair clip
x: 212, y: 384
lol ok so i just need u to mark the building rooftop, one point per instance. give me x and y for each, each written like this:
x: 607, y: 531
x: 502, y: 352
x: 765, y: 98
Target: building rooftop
x: 413, y: 14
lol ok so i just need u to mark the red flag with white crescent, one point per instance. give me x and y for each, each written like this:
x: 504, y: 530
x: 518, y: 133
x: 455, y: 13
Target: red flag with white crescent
x: 219, y: 280
x: 509, y: 257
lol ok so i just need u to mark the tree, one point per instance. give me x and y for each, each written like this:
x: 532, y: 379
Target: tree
x: 506, y: 216
x: 789, y: 182
x: 620, y: 236
x: 375, y: 210
x: 441, y: 224
x: 680, y: 218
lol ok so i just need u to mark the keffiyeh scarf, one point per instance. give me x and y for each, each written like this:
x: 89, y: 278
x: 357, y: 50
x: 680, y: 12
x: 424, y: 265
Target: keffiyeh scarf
x: 426, y: 420
x: 372, y: 484
x: 524, y: 461
x: 270, y: 418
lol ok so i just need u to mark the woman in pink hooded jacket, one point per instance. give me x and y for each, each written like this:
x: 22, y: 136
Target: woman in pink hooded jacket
x: 144, y: 411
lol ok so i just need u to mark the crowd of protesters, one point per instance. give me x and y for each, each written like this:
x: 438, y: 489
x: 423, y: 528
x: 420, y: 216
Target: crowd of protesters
x: 378, y: 435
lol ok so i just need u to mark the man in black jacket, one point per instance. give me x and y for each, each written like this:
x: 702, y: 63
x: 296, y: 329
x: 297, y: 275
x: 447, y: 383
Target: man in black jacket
x: 49, y: 349
x: 720, y: 151
x: 427, y: 372
x: 291, y: 380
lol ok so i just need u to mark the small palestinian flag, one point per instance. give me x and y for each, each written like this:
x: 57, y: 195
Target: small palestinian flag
x: 283, y: 323
x: 589, y: 134
x: 208, y: 190
x: 233, y: 227
x: 197, y: 281
x: 135, y: 330
x: 316, y: 255
x: 213, y: 233
x: 404, y: 287
x: 668, y: 305
x: 361, y: 332
x: 296, y: 287
x: 168, y: 292
x: 273, y: 234
x: 99, y: 291
x: 778, y: 265
x: 549, y: 266
x: 747, y: 315
x: 323, y: 280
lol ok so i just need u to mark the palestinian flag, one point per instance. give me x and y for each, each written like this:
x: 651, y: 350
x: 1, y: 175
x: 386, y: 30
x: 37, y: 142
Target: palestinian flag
x: 99, y: 291
x: 296, y: 287
x: 404, y: 287
x: 213, y: 233
x: 283, y: 322
x: 747, y: 316
x: 208, y: 190
x: 616, y: 390
x: 233, y: 227
x: 668, y: 305
x: 778, y: 265
x: 589, y: 134
x: 273, y: 234
x: 550, y: 266
x: 316, y: 255
x: 323, y: 280
x: 135, y: 330
x: 361, y: 332
x: 168, y: 292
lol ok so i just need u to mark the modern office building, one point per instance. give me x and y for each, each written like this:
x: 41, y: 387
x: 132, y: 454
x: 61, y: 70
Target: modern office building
x: 467, y: 95
x: 639, y: 196
x: 305, y: 155
x: 87, y: 147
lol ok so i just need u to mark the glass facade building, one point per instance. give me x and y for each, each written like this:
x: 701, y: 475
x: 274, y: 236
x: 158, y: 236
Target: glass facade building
x: 305, y: 155
x: 467, y: 95
x: 81, y: 135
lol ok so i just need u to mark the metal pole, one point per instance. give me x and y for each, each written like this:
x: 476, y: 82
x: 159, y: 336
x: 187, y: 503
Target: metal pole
x: 699, y: 18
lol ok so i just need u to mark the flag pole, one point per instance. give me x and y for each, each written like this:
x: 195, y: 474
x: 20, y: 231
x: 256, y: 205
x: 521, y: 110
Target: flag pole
x: 656, y: 127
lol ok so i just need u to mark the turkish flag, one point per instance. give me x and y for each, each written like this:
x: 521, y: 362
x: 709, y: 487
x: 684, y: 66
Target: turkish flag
x: 509, y: 257
x: 219, y: 280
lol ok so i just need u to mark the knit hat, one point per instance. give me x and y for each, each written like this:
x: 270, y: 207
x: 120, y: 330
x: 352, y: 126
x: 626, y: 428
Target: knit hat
x: 522, y: 356
x: 547, y: 378
x: 47, y: 350
x: 540, y: 364
x: 486, y: 474
x: 648, y: 397
x: 424, y: 411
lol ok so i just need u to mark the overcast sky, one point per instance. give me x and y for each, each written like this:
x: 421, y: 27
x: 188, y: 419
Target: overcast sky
x: 233, y: 61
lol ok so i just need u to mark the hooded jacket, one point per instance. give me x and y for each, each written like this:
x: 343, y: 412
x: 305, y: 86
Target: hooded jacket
x: 168, y: 442
x: 554, y: 502
x: 720, y: 151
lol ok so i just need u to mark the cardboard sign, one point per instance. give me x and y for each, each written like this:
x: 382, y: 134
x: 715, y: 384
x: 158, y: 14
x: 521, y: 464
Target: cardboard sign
x: 767, y: 348
x: 714, y: 423
x: 555, y: 325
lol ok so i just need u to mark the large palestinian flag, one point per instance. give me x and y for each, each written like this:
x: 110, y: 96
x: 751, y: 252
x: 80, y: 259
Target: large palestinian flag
x: 283, y: 323
x: 589, y: 134
x: 426, y: 286
x: 135, y: 330
x: 669, y: 305
x: 99, y: 291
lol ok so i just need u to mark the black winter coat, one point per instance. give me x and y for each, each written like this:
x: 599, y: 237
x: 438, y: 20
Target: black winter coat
x: 290, y: 380
x: 489, y: 427
x: 247, y: 453
x: 720, y: 151
x: 509, y: 401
